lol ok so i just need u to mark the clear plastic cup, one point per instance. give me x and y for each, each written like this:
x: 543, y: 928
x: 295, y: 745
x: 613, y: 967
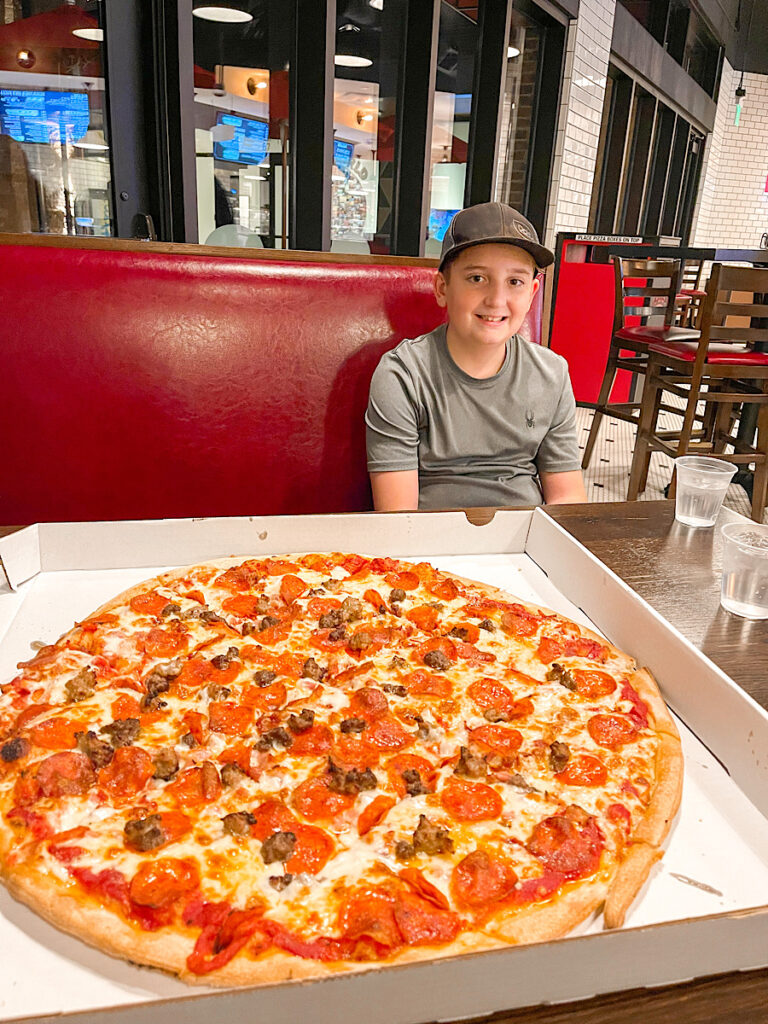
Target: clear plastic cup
x: 744, y: 588
x: 701, y: 487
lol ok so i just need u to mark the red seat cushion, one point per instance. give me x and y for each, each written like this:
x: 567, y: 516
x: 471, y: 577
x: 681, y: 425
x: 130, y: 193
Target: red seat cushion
x: 694, y: 293
x: 657, y: 334
x: 717, y: 354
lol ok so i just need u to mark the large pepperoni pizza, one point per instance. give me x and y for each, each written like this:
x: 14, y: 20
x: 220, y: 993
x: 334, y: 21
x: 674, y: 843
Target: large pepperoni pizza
x: 253, y: 770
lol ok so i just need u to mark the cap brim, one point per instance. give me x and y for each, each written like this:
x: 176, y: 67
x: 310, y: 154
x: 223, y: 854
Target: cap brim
x: 542, y: 256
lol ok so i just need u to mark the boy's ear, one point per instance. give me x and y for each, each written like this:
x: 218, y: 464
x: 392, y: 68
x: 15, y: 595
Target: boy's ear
x: 439, y: 285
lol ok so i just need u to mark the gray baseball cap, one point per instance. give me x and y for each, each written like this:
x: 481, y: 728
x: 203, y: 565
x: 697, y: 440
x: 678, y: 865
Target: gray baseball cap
x: 493, y: 222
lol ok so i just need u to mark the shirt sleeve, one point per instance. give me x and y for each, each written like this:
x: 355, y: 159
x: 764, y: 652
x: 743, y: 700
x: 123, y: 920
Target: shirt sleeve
x: 559, y: 450
x: 391, y: 420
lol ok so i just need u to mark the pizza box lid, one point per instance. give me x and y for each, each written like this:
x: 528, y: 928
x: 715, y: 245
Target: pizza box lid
x: 698, y: 916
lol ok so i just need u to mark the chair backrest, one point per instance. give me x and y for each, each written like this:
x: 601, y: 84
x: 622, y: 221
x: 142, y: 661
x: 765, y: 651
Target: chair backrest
x: 725, y: 301
x: 691, y: 274
x: 644, y: 289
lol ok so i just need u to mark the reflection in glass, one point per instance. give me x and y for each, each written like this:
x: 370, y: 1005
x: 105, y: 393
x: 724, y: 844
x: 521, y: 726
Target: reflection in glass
x: 54, y: 154
x: 518, y: 107
x: 457, y: 43
x: 241, y: 81
x: 367, y: 61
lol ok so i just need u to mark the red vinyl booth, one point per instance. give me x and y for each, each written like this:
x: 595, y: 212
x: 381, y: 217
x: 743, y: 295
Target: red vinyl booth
x: 170, y: 381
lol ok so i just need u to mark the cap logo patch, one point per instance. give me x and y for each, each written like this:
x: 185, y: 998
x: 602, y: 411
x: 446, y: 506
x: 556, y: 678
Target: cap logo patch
x: 524, y: 231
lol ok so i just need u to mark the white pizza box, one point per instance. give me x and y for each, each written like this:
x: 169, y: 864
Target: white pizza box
x: 704, y: 911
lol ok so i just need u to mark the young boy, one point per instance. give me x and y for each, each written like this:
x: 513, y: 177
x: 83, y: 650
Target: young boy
x: 471, y: 414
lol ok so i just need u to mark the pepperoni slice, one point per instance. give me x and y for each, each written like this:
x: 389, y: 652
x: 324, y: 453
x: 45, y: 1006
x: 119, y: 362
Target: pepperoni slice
x: 313, y: 846
x: 374, y: 813
x: 125, y: 706
x: 427, y: 684
x: 240, y: 577
x: 443, y: 590
x: 386, y: 733
x: 611, y: 730
x: 481, y: 879
x: 317, y: 606
x: 500, y: 738
x: 410, y: 762
x: 368, y: 703
x: 402, y: 580
x: 195, y: 722
x: 424, y: 888
x: 245, y: 606
x: 470, y: 801
x: 230, y: 718
x: 278, y: 566
x: 441, y: 644
x: 56, y: 733
x: 266, y: 698
x: 583, y: 770
x: 473, y: 656
x: 161, y: 882
x: 591, y: 683
x: 422, y: 924
x: 316, y: 741
x: 291, y: 588
x: 175, y: 826
x: 489, y: 693
x: 315, y: 801
x: 423, y: 617
x: 549, y: 649
x: 564, y: 848
x: 369, y: 913
x: 127, y: 773
x: 193, y: 675
x: 518, y: 621
x: 466, y: 631
x: 65, y: 774
x: 320, y: 563
x: 351, y: 752
x: 162, y: 643
x: 200, y: 784
x: 150, y: 603
x: 355, y: 565
x: 373, y: 597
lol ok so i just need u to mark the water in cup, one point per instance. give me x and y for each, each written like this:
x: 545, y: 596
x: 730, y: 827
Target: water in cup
x: 702, y: 484
x: 745, y: 570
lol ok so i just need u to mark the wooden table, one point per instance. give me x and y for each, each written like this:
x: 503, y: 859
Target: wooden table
x: 677, y: 570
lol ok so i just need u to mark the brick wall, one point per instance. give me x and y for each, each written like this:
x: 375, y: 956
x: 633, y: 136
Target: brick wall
x: 581, y: 109
x: 733, y: 203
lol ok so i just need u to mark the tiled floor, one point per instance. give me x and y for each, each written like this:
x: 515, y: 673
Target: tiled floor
x: 607, y: 477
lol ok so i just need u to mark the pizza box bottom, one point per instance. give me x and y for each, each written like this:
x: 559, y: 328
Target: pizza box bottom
x: 704, y: 909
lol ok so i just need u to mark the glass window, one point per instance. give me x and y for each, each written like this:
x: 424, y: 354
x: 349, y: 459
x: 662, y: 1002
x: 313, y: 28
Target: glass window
x: 54, y: 152
x: 518, y: 109
x: 367, y: 66
x: 457, y: 43
x: 241, y: 76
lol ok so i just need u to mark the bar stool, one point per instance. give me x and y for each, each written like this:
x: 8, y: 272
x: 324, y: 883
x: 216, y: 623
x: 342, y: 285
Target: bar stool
x: 721, y: 370
x: 644, y: 289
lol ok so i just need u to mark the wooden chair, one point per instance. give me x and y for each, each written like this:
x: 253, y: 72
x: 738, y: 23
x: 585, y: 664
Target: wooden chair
x: 644, y: 289
x: 724, y: 369
x: 691, y: 294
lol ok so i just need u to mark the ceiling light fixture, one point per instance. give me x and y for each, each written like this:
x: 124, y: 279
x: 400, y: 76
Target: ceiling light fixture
x: 512, y: 51
x: 231, y: 15
x: 378, y: 5
x: 362, y: 116
x: 94, y: 35
x: 347, y: 60
x: 25, y: 59
x: 93, y: 139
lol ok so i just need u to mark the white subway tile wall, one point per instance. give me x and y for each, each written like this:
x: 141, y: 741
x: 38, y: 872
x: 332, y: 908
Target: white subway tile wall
x: 733, y: 202
x: 586, y: 64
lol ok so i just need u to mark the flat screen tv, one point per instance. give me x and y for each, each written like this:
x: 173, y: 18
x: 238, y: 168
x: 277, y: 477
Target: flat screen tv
x: 47, y: 116
x: 248, y: 142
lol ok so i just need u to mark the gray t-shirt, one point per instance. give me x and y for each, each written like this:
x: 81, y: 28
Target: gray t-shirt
x: 474, y: 442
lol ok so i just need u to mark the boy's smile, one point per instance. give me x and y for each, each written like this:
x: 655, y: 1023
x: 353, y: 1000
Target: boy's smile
x: 487, y: 290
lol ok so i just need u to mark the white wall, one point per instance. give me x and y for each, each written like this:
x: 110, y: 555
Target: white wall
x: 733, y: 203
x: 581, y: 111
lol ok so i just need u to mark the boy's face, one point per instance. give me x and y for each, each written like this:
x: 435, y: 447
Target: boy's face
x: 487, y: 292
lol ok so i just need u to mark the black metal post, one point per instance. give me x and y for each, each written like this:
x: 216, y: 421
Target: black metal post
x: 413, y: 128
x: 487, y: 97
x: 311, y: 132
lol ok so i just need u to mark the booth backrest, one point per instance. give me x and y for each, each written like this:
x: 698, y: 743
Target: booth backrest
x: 148, y: 384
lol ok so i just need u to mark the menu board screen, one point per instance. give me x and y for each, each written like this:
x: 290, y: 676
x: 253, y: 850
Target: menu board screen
x: 31, y: 115
x: 342, y: 154
x: 247, y: 143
